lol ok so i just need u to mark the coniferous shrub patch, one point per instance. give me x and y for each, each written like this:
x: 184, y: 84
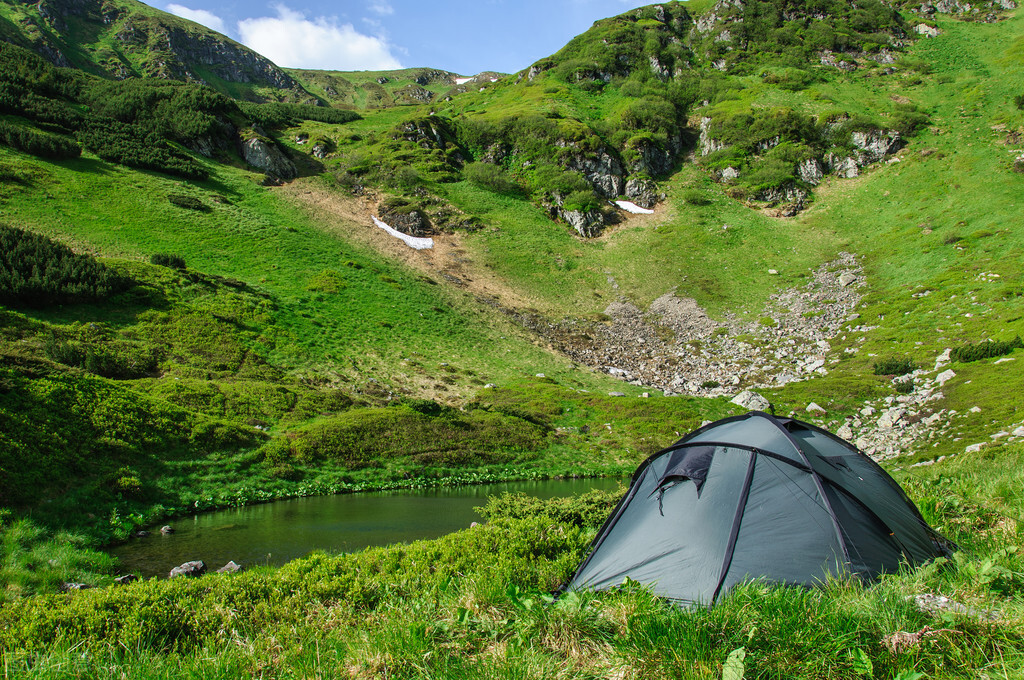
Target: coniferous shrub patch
x: 894, y: 366
x: 987, y: 349
x: 188, y: 202
x: 277, y: 114
x: 168, y: 260
x: 37, y: 142
x: 36, y: 271
x: 134, y: 146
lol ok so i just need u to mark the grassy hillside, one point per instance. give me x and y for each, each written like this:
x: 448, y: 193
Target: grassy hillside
x: 126, y: 39
x: 265, y: 340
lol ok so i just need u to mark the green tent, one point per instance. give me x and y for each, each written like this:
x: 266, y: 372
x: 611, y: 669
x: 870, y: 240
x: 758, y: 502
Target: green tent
x: 756, y: 496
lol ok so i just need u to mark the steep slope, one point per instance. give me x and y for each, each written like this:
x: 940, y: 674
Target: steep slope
x: 124, y: 38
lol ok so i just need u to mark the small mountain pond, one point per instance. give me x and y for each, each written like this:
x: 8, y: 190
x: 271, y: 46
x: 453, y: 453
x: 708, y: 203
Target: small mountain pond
x: 274, y: 533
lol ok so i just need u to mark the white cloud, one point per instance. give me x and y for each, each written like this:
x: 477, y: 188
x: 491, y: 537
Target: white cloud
x: 382, y: 7
x: 292, y: 40
x: 200, y: 16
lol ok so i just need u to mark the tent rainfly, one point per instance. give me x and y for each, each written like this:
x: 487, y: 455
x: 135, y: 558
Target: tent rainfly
x: 755, y: 496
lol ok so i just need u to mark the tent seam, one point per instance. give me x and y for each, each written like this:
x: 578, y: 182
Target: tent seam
x: 817, y: 483
x: 741, y: 508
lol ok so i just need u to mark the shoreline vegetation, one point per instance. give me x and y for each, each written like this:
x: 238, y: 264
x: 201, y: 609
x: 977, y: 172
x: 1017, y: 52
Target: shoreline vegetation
x: 477, y: 603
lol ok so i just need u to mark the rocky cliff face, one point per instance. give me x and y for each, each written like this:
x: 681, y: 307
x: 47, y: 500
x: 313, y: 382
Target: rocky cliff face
x: 154, y: 46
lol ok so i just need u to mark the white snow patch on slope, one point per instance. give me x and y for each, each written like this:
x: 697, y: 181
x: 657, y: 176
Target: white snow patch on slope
x: 411, y: 241
x: 631, y: 207
x: 462, y: 81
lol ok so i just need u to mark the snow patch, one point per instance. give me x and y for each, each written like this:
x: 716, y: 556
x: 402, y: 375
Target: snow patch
x: 411, y: 241
x: 462, y: 81
x: 631, y: 207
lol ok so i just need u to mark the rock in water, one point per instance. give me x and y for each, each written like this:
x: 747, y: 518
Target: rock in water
x: 191, y: 569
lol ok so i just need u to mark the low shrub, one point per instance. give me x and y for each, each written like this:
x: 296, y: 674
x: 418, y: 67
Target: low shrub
x: 588, y: 510
x: 38, y: 143
x: 695, y: 197
x: 491, y: 177
x: 366, y: 437
x: 36, y: 271
x: 894, y: 366
x: 188, y: 202
x: 168, y: 260
x: 985, y: 350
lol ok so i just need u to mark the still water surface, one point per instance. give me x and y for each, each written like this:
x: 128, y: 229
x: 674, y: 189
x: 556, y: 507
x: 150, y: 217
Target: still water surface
x: 274, y: 533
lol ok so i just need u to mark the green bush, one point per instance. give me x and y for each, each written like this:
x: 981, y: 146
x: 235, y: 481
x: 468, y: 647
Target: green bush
x: 118, y: 359
x: 36, y: 271
x: 168, y: 260
x: 188, y: 202
x: 695, y: 197
x: 279, y: 114
x: 491, y: 177
x: 582, y: 201
x: 37, y: 142
x: 894, y: 366
x: 985, y: 350
x: 588, y: 510
x: 135, y: 146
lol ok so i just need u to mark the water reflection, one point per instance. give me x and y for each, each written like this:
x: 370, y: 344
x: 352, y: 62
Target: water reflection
x: 274, y: 533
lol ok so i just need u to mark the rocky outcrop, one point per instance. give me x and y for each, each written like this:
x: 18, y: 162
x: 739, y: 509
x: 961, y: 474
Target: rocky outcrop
x: 643, y: 192
x: 411, y: 222
x: 587, y: 224
x: 962, y: 8
x: 828, y: 58
x: 706, y: 144
x: 414, y: 94
x: 264, y: 155
x: 432, y: 132
x: 842, y: 166
x: 652, y: 160
x: 787, y: 193
x: 875, y: 145
x: 810, y: 171
x: 138, y: 44
x: 601, y: 169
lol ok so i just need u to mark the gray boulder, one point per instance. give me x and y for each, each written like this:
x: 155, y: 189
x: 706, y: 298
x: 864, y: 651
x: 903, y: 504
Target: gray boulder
x: 265, y: 156
x: 191, y: 569
x: 751, y: 401
x: 230, y: 568
x: 642, y: 191
x: 587, y: 224
x: 877, y: 144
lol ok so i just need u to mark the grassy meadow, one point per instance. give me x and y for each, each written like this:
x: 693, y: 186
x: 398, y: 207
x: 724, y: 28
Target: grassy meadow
x: 294, y: 354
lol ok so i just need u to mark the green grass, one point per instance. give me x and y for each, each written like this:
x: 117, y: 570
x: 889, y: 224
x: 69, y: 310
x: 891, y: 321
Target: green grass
x: 482, y: 608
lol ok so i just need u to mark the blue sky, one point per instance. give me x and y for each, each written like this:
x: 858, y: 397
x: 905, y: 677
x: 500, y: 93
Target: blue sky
x: 464, y: 36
